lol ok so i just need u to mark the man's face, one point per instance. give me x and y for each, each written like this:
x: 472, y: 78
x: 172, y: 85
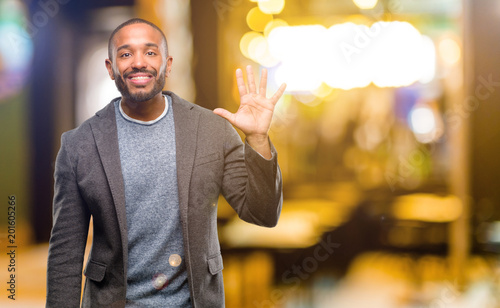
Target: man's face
x: 140, y: 63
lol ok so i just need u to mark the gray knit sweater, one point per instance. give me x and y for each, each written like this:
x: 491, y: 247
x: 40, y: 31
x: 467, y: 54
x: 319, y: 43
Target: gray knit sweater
x: 156, y: 274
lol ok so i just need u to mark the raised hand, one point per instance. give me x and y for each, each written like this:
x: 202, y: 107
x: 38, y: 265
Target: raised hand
x: 255, y: 113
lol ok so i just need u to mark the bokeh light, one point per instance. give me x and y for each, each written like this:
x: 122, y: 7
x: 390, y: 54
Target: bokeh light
x: 422, y: 120
x: 257, y: 20
x: 365, y: 4
x: 348, y: 55
x: 425, y: 123
x: 449, y: 51
x: 344, y: 56
x: 427, y: 207
x: 301, y: 63
x: 245, y: 41
x: 428, y: 60
x: 275, y: 23
x: 272, y: 6
x: 16, y: 48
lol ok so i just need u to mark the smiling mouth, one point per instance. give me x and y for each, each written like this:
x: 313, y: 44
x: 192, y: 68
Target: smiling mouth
x: 141, y: 79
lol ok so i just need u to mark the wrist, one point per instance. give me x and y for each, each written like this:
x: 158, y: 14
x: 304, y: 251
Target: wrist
x: 260, y: 143
x: 258, y: 140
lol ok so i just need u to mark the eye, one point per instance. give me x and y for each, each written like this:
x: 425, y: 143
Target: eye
x: 124, y: 55
x: 151, y: 53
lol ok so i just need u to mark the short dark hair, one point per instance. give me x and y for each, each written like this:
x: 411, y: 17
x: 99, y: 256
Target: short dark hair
x: 131, y: 22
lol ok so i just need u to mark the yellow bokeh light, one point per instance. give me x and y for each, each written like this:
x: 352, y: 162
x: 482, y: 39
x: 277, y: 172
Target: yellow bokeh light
x: 257, y: 20
x: 254, y: 46
x: 365, y: 4
x: 427, y: 207
x: 449, y: 51
x: 272, y: 6
x: 257, y: 48
x: 275, y: 23
x: 245, y: 41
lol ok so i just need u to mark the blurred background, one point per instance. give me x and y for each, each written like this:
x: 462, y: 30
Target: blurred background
x: 386, y: 138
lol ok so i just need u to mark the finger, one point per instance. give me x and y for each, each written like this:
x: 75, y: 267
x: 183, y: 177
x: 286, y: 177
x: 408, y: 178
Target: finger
x: 242, y: 88
x: 251, y: 80
x: 278, y: 93
x: 263, y: 82
x: 225, y: 114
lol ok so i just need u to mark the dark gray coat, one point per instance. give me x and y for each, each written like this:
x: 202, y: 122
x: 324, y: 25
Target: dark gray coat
x: 211, y: 159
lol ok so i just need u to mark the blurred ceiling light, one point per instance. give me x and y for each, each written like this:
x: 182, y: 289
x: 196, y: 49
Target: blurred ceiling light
x: 272, y: 6
x: 275, y: 23
x: 427, y: 207
x: 348, y: 62
x: 257, y: 20
x: 301, y: 52
x: 346, y: 56
x: 401, y: 55
x: 365, y: 4
x: 449, y: 51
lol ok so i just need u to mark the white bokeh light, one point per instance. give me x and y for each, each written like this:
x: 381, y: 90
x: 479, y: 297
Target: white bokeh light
x: 346, y: 56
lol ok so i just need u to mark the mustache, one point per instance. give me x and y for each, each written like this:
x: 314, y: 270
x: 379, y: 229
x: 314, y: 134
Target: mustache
x: 135, y: 71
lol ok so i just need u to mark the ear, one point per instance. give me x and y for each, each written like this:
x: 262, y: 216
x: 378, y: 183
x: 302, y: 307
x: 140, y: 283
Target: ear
x: 109, y: 67
x: 169, y: 66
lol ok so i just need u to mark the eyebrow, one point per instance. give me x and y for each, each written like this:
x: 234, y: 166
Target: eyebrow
x: 128, y: 46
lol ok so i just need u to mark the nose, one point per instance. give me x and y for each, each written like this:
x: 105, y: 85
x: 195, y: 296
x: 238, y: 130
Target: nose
x: 139, y: 62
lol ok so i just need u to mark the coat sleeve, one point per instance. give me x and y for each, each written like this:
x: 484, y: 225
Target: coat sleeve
x: 69, y: 234
x: 251, y: 184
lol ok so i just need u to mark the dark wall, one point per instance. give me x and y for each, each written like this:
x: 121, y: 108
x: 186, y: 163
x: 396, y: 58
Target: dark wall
x: 204, y: 27
x: 483, y: 104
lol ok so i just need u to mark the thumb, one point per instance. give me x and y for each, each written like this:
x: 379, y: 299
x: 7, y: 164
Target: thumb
x: 225, y: 114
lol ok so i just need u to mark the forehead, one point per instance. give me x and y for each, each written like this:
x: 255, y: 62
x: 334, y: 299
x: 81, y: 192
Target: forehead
x: 137, y: 34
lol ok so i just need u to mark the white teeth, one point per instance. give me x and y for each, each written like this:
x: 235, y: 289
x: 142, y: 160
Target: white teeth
x: 140, y: 77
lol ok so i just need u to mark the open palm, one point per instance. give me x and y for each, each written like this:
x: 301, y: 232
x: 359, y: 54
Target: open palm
x: 255, y: 113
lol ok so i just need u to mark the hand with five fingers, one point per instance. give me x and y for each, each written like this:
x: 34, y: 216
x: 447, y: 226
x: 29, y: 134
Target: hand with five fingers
x: 255, y: 113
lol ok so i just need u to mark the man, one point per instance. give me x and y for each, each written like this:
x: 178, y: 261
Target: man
x: 148, y: 169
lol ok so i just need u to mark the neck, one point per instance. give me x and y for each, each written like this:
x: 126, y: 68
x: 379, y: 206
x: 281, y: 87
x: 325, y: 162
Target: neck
x: 146, y: 110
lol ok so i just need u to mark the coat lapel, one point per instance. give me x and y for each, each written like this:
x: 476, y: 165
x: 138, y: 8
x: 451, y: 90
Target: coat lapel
x: 106, y: 139
x: 186, y: 119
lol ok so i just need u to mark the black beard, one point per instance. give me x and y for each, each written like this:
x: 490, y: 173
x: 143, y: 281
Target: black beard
x: 139, y: 97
